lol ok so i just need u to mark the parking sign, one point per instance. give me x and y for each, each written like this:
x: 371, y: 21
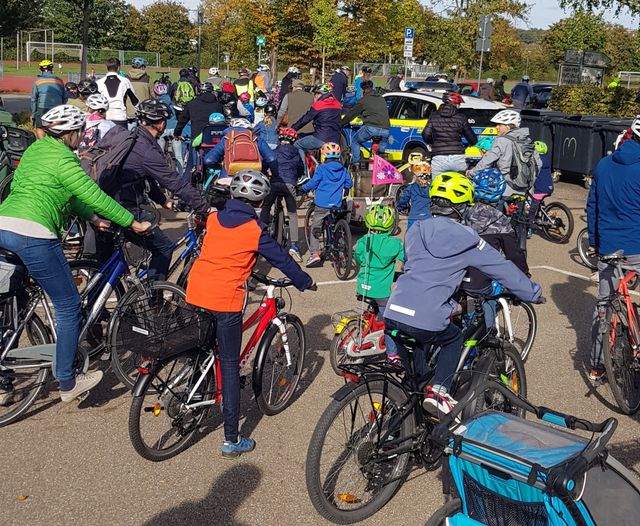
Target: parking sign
x: 408, y: 33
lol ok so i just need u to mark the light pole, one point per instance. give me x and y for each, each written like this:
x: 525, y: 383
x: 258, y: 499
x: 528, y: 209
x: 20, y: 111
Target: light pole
x: 200, y: 18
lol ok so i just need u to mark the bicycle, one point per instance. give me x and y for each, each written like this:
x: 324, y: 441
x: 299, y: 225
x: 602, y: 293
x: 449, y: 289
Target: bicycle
x: 555, y: 220
x: 176, y: 387
x: 336, y: 243
x: 381, y: 425
x: 588, y: 257
x: 620, y: 332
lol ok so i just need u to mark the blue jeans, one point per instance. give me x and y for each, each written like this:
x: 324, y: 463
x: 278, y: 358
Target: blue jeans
x: 307, y: 143
x: 450, y: 342
x: 176, y: 146
x: 46, y: 263
x: 364, y: 134
x: 229, y: 337
x: 448, y: 163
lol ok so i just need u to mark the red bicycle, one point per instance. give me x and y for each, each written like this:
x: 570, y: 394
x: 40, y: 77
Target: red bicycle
x: 174, y: 391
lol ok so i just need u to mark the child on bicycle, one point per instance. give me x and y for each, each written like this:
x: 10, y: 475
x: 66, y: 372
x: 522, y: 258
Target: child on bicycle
x: 330, y: 180
x: 416, y: 195
x: 543, y: 185
x: 283, y: 183
x: 233, y: 240
x: 267, y: 129
x: 377, y: 253
x: 438, y: 253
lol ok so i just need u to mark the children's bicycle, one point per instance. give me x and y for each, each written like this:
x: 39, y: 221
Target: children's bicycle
x: 335, y: 244
x: 179, y: 369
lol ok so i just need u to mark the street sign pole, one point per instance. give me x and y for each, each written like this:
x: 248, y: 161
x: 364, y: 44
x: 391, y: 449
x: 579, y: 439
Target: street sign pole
x: 261, y: 41
x: 409, y: 33
x: 484, y: 41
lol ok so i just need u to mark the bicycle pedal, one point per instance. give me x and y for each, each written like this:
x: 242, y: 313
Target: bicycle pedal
x: 105, y: 356
x: 82, y: 397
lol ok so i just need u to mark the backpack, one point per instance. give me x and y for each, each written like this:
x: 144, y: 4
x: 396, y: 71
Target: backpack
x: 241, y: 152
x: 103, y: 161
x: 524, y: 168
x: 184, y: 92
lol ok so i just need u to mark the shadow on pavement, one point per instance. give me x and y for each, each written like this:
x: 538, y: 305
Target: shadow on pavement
x: 628, y: 453
x: 220, y: 505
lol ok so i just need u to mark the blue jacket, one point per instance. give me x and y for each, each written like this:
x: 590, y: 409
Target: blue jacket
x: 544, y: 181
x: 47, y: 92
x: 172, y: 121
x: 356, y: 85
x: 416, y: 197
x: 326, y: 115
x: 252, y: 113
x: 438, y: 252
x: 613, y: 206
x: 268, y: 133
x: 521, y: 92
x: 216, y: 154
x: 329, y: 181
x: 339, y: 81
x: 289, y: 166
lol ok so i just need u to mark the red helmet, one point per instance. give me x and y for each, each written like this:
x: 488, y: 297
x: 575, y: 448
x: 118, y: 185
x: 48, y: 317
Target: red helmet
x: 228, y: 87
x: 245, y: 97
x: 453, y: 98
x: 287, y: 134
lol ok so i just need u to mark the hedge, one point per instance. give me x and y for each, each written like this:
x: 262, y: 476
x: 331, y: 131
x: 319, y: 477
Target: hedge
x: 591, y: 100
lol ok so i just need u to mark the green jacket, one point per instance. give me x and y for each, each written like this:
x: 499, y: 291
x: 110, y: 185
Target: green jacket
x: 372, y: 109
x: 377, y: 264
x: 49, y: 184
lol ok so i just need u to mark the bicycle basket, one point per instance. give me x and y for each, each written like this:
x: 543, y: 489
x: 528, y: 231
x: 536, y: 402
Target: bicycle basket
x: 162, y: 327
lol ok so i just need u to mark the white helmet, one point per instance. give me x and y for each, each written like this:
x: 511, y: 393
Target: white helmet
x: 635, y: 126
x: 240, y: 123
x: 263, y: 67
x: 214, y: 71
x: 97, y: 101
x: 250, y: 185
x: 507, y: 117
x: 490, y: 80
x: 293, y: 69
x: 64, y: 118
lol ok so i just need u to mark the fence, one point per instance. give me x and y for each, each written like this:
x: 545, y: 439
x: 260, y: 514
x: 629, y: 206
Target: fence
x: 387, y: 69
x: 66, y: 52
x: 629, y: 78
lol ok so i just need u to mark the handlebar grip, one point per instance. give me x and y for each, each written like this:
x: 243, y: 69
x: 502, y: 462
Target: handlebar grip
x: 596, y: 447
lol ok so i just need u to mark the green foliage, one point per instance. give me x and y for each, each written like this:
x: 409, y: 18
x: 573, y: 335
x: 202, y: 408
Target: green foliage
x: 615, y: 5
x: 583, y: 31
x: 328, y: 28
x: 18, y: 14
x: 167, y: 29
x: 592, y: 100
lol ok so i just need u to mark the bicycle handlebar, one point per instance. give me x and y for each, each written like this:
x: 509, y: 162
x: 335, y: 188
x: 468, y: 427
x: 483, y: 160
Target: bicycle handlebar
x: 266, y: 280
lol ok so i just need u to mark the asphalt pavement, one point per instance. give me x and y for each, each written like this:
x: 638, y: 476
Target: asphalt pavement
x: 75, y: 464
x: 15, y: 103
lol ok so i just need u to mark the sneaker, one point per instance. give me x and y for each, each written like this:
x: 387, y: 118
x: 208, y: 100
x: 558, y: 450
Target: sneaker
x: 84, y: 383
x: 235, y: 449
x: 314, y: 260
x: 294, y: 252
x: 597, y: 375
x: 437, y: 402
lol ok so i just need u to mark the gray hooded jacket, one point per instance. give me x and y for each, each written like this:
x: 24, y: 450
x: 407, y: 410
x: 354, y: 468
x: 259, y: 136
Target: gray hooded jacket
x: 438, y: 253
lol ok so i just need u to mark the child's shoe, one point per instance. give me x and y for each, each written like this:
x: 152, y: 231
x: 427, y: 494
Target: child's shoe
x: 294, y: 252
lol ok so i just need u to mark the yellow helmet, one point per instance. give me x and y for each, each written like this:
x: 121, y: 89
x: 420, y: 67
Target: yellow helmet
x: 450, y: 193
x: 45, y: 64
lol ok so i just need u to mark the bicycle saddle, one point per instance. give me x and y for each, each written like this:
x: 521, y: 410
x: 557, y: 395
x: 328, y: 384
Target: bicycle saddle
x: 10, y: 257
x: 369, y: 301
x: 615, y: 256
x: 402, y: 338
x: 339, y: 212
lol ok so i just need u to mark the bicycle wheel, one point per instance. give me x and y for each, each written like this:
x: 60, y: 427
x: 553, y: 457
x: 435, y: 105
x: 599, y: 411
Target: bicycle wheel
x: 275, y: 381
x: 502, y: 365
x: 307, y: 224
x: 279, y: 225
x: 348, y: 475
x: 22, y: 379
x: 399, y: 192
x: 342, y: 250
x: 5, y: 187
x: 439, y: 518
x: 349, y: 337
x: 518, y: 326
x: 556, y: 222
x: 582, y: 244
x: 158, y: 295
x: 623, y: 371
x: 160, y: 426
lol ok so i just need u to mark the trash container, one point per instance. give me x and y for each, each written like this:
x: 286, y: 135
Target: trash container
x: 608, y: 134
x: 540, y: 126
x: 577, y: 146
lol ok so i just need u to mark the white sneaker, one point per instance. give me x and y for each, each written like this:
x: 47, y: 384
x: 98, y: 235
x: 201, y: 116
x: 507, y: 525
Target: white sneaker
x: 437, y: 402
x: 84, y: 383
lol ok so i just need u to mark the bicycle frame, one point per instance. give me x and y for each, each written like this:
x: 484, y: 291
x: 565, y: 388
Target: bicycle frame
x: 190, y: 239
x: 622, y: 295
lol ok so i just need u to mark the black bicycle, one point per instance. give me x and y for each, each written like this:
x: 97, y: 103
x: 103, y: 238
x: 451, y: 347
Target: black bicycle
x: 375, y: 429
x: 335, y: 244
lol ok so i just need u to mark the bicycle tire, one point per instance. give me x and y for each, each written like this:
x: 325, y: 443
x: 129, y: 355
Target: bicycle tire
x: 618, y: 361
x: 401, y: 189
x: 326, y: 496
x: 5, y: 187
x: 523, y: 342
x: 280, y: 226
x: 337, y: 351
x: 554, y: 233
x: 582, y: 245
x: 31, y: 394
x: 342, y: 250
x: 169, y: 400
x: 123, y: 362
x: 265, y: 357
x: 439, y: 518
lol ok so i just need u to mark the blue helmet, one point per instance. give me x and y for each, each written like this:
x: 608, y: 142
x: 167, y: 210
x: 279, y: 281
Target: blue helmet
x: 489, y: 185
x: 485, y: 142
x: 216, y: 118
x: 139, y: 63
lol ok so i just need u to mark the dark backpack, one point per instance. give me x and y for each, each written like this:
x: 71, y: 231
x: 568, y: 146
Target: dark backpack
x: 103, y: 162
x: 524, y: 167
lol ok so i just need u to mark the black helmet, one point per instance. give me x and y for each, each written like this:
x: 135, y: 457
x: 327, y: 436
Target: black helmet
x: 270, y: 109
x: 70, y: 86
x: 366, y: 69
x: 226, y: 98
x: 87, y: 87
x: 184, y: 72
x: 230, y: 111
x: 193, y: 69
x: 206, y: 87
x: 152, y: 110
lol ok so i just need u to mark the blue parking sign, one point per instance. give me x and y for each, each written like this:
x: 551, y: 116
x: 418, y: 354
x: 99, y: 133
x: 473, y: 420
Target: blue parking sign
x: 408, y: 33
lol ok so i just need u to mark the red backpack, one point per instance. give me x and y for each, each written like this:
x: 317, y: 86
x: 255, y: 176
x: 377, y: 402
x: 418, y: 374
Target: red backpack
x: 241, y: 152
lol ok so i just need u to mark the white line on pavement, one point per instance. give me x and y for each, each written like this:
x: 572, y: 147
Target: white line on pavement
x: 573, y: 275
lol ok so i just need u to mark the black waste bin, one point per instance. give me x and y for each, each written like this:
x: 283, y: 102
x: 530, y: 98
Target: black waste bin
x: 608, y: 134
x: 540, y: 126
x: 576, y: 145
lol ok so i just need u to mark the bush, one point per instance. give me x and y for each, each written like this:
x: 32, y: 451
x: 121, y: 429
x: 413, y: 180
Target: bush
x: 592, y: 100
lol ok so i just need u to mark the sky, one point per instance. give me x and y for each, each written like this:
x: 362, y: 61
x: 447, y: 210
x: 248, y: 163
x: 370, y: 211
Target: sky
x: 543, y: 13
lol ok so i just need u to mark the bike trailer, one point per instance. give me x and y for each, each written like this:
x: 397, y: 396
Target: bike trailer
x: 509, y: 471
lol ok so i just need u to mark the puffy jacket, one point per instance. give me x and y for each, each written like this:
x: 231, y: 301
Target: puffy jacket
x: 613, y: 206
x: 142, y: 87
x: 325, y: 114
x: 417, y: 199
x: 47, y: 92
x: 339, y: 81
x: 373, y: 110
x: 289, y: 166
x: 520, y: 93
x: 445, y: 130
x: 438, y: 252
x: 229, y: 251
x: 377, y: 255
x: 49, y: 184
x: 197, y: 111
x: 329, y: 181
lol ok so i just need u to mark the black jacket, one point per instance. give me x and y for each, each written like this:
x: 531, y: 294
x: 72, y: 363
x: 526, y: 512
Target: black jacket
x: 445, y: 129
x: 197, y: 111
x: 339, y: 81
x: 373, y: 110
x: 289, y: 165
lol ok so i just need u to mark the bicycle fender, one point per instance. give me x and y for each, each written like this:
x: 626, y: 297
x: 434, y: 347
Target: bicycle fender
x: 261, y: 355
x: 340, y: 326
x: 344, y: 391
x: 141, y: 384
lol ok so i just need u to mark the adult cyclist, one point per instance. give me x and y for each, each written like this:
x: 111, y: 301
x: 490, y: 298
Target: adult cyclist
x: 47, y: 185
x: 47, y: 92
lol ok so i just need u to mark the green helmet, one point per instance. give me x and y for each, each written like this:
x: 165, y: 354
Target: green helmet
x: 541, y: 147
x: 379, y: 218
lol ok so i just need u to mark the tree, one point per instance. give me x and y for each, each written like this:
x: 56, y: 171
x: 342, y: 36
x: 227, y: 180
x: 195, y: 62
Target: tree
x: 168, y: 30
x: 18, y: 14
x: 328, y: 29
x: 589, y: 5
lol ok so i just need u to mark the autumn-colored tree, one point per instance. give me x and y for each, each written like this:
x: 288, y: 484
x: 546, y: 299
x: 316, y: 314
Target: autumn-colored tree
x: 583, y: 31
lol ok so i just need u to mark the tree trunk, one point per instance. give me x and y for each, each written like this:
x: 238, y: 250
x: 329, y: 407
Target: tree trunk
x: 86, y: 13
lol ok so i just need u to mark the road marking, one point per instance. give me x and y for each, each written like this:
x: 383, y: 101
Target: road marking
x: 574, y: 275
x: 320, y: 283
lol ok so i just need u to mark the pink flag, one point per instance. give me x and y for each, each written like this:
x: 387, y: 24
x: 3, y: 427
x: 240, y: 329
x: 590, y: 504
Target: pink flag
x: 384, y: 172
